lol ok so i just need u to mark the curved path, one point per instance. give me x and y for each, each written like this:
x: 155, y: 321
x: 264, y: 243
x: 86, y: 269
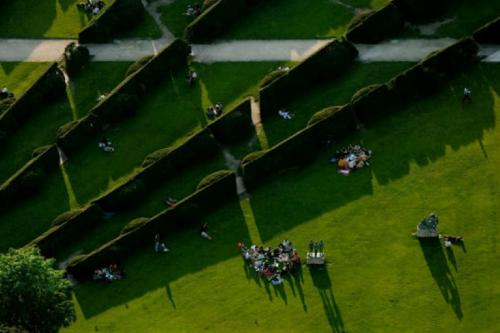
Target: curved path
x: 38, y: 50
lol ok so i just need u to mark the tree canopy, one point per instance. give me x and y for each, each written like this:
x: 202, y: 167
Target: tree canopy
x: 34, y: 296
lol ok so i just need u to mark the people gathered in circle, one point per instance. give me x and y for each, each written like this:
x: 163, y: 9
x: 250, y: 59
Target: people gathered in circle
x: 351, y: 157
x: 272, y: 263
x: 215, y: 111
x: 106, y: 145
x: 108, y: 274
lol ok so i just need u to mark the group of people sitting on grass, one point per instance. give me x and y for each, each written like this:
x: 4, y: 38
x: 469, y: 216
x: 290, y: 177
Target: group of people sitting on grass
x: 193, y: 10
x: 93, y: 7
x: 215, y: 111
x: 108, y: 274
x: 272, y: 263
x: 449, y: 240
x: 5, y: 93
x: 350, y: 158
x: 106, y: 145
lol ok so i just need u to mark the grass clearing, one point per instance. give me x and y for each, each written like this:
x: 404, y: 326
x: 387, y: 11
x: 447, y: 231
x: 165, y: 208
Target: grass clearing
x: 436, y: 155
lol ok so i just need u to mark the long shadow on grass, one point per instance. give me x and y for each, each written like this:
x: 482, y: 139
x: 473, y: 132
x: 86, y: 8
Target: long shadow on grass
x: 419, y: 134
x: 436, y: 260
x: 189, y: 253
x: 322, y: 282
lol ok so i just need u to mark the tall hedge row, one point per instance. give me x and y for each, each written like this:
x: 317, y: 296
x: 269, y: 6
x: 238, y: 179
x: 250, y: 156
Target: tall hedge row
x: 422, y: 10
x: 217, y: 19
x: 66, y: 227
x: 376, y: 26
x: 26, y: 181
x: 235, y: 125
x: 488, y: 33
x: 45, y: 89
x: 185, y: 214
x: 125, y: 98
x: 117, y: 16
x: 326, y: 64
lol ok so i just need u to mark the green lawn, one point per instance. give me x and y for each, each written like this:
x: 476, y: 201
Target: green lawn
x: 54, y: 19
x: 171, y: 112
x: 461, y: 20
x: 281, y: 19
x: 97, y: 78
x: 436, y: 155
x: 18, y: 76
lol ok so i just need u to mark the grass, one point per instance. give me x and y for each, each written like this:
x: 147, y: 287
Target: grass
x: 461, y: 20
x: 170, y: 113
x: 60, y: 19
x: 96, y: 79
x: 436, y: 155
x: 18, y: 76
x: 286, y: 19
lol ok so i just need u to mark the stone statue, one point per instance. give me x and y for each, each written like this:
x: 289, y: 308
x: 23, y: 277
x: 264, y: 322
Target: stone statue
x: 428, y: 226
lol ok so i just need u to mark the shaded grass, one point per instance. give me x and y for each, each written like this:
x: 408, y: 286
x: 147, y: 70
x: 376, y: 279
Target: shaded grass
x: 433, y: 156
x: 55, y: 19
x: 336, y: 92
x: 40, y: 129
x: 464, y: 18
x: 281, y: 19
x: 18, y: 76
x: 171, y: 112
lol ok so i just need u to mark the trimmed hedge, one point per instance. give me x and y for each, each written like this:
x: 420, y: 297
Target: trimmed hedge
x: 75, y: 58
x: 488, y: 33
x: 326, y: 64
x: 138, y: 65
x: 217, y: 18
x: 235, y: 125
x: 66, y: 227
x: 184, y: 215
x: 376, y: 26
x: 422, y: 10
x: 134, y: 224
x: 323, y: 114
x: 45, y: 89
x: 117, y: 16
x: 167, y: 163
x: 26, y: 181
x: 213, y: 178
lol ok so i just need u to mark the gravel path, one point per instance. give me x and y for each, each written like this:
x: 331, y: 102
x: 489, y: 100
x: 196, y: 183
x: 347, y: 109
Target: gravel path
x: 251, y: 50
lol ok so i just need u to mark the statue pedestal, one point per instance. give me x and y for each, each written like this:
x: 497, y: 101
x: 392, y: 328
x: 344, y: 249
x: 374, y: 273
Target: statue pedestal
x: 426, y: 233
x: 315, y: 259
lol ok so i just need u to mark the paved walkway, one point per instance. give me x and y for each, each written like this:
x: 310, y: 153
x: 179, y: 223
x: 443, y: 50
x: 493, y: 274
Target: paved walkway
x: 253, y: 50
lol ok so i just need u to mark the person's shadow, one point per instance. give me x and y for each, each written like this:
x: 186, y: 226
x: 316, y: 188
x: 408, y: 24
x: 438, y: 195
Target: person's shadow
x: 438, y: 265
x: 322, y: 282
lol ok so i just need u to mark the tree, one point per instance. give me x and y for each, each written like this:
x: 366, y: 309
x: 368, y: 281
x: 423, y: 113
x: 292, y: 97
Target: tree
x: 33, y: 295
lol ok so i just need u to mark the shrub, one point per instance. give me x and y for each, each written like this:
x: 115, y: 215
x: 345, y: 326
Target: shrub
x: 73, y: 134
x: 208, y: 3
x: 124, y: 196
x: 371, y: 102
x: 156, y: 156
x: 118, y: 16
x: 40, y: 150
x: 213, y: 178
x: 374, y: 27
x: 134, y: 224
x: 488, y: 33
x: 66, y: 216
x: 272, y: 76
x: 138, y: 65
x: 252, y: 156
x: 119, y: 107
x: 323, y: 114
x: 75, y: 58
x: 31, y: 180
